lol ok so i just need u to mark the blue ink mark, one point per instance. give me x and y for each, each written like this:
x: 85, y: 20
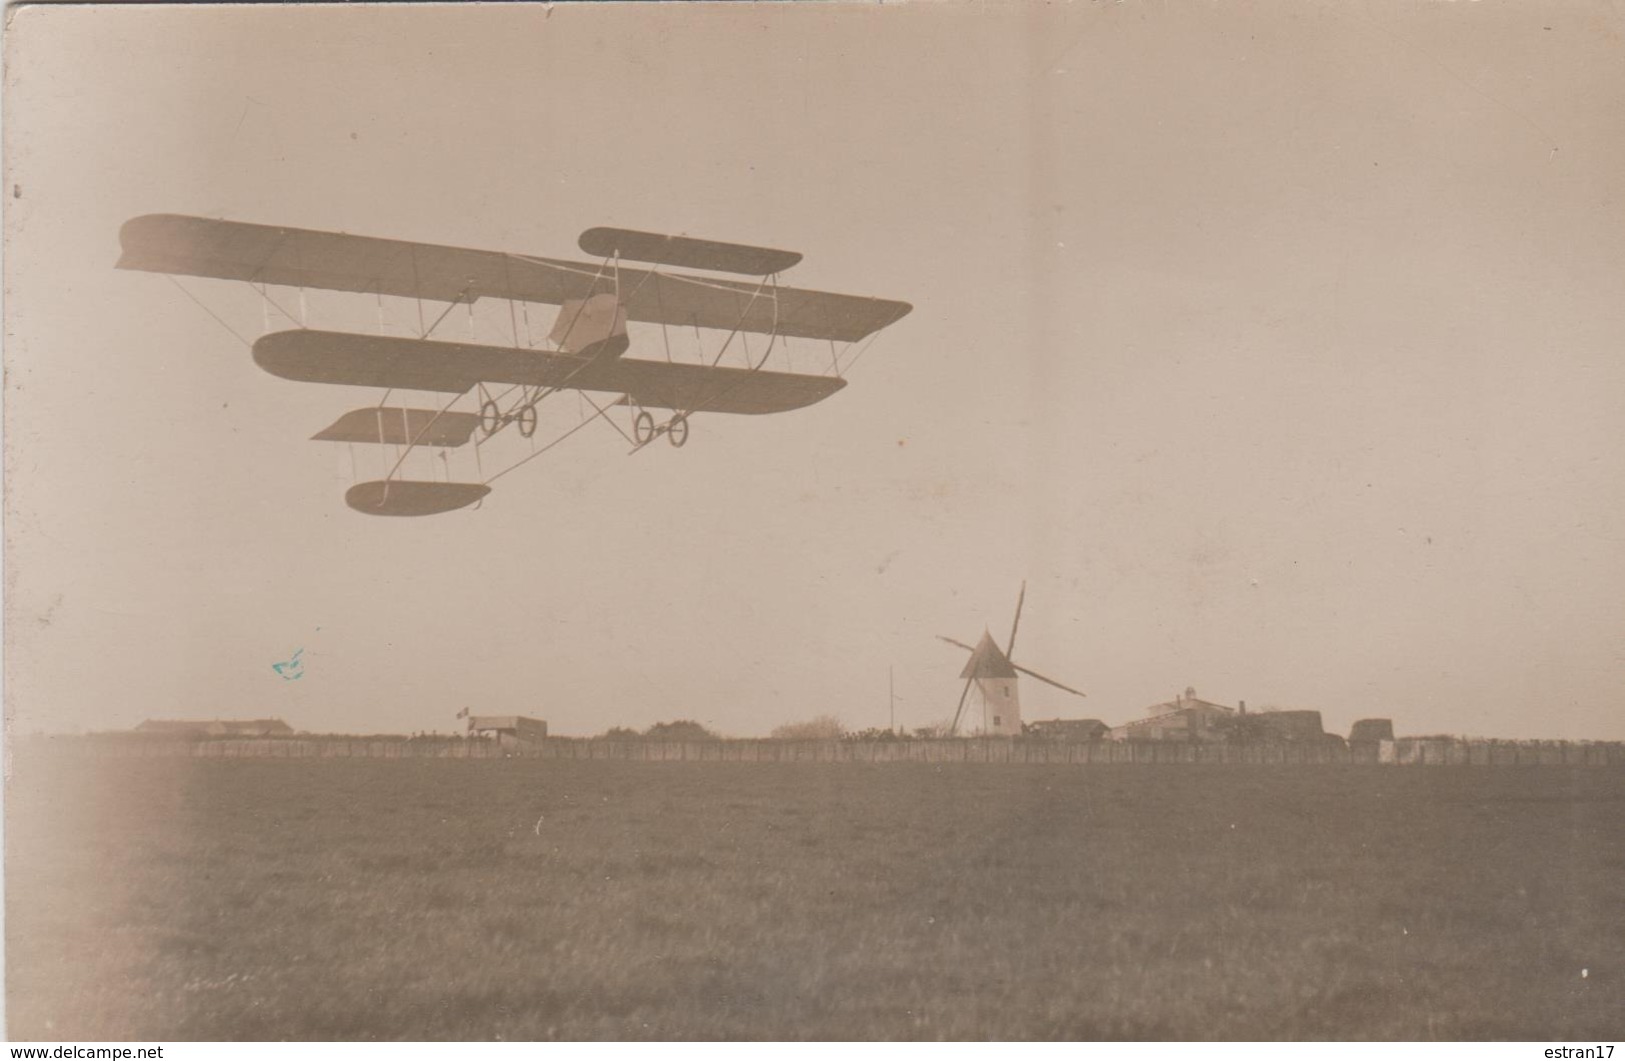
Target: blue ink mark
x: 293, y: 669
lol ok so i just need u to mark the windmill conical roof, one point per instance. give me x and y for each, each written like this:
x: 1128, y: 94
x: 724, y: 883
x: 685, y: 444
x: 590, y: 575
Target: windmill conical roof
x: 987, y: 661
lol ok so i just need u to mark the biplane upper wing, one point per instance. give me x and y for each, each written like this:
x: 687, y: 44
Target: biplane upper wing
x: 432, y: 365
x: 685, y: 251
x: 297, y: 257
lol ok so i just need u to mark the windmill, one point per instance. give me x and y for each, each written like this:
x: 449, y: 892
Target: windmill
x: 995, y: 675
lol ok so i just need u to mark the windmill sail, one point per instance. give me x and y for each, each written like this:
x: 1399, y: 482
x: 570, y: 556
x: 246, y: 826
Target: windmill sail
x: 1010, y: 649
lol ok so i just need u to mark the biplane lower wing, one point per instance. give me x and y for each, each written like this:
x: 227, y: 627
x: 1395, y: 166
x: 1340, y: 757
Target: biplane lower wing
x: 395, y: 426
x: 408, y: 497
x: 702, y: 389
x: 351, y: 359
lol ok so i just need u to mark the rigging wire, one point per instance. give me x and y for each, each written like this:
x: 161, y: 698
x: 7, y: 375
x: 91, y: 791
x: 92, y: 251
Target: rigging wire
x: 772, y: 338
x: 413, y: 440
x: 265, y: 293
x: 544, y: 449
x: 449, y: 307
x: 406, y: 432
x: 864, y: 349
x: 217, y: 318
x: 605, y: 414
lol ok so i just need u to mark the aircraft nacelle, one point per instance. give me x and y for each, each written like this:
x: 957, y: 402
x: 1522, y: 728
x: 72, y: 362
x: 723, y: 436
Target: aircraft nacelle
x: 584, y: 321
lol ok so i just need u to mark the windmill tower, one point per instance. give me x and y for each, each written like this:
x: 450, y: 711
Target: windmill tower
x: 994, y: 676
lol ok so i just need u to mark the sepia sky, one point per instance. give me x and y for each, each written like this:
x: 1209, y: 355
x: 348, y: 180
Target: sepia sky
x: 1278, y: 346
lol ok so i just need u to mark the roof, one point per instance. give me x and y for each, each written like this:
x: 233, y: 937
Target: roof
x: 1372, y: 729
x: 215, y: 726
x: 1176, y: 709
x: 166, y: 725
x: 1170, y: 706
x: 1293, y: 725
x: 987, y: 661
x: 502, y: 722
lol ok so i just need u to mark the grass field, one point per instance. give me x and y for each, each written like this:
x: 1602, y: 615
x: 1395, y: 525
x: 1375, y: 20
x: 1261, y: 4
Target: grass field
x: 184, y: 899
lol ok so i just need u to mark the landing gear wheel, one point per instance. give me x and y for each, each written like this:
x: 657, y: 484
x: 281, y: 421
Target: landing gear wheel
x: 677, y: 431
x: 527, y: 421
x: 643, y: 428
x: 490, y: 418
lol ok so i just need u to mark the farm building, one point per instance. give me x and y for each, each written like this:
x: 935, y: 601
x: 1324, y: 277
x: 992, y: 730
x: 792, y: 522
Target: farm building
x: 1069, y: 730
x: 1184, y: 718
x: 509, y: 729
x: 1291, y: 725
x: 219, y: 727
x: 1372, y: 729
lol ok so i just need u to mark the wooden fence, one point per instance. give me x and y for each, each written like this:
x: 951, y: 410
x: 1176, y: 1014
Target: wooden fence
x: 1408, y: 752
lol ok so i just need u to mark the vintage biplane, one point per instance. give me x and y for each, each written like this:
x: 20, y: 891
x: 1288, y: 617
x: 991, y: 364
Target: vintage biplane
x: 503, y: 384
